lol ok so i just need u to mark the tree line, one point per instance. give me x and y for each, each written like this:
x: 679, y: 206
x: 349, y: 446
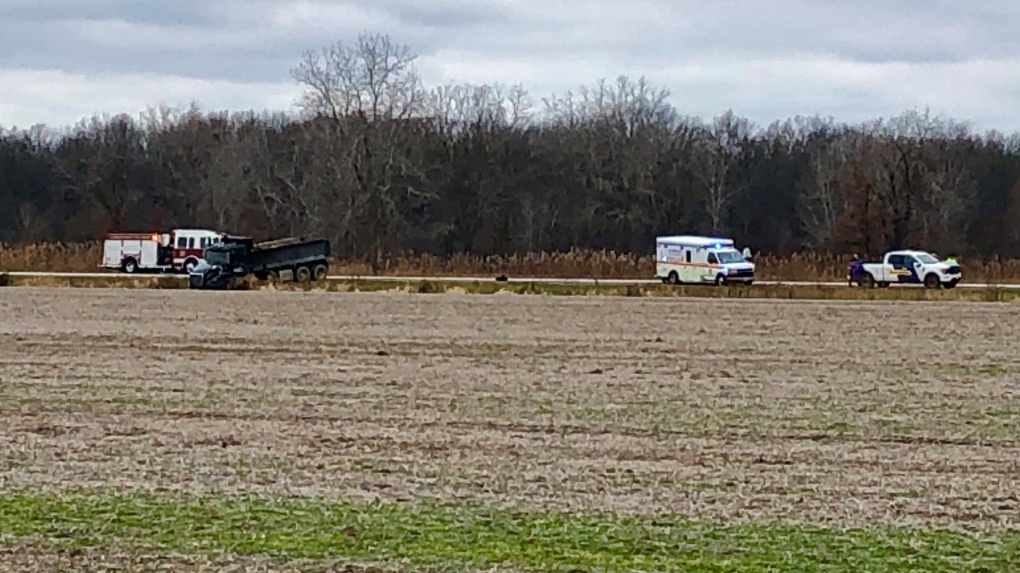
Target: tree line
x: 379, y: 163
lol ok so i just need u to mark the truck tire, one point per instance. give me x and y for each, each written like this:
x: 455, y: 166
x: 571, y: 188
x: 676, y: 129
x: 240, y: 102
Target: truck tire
x: 867, y: 281
x: 302, y: 274
x: 673, y: 278
x: 320, y: 272
x: 720, y: 280
x: 130, y: 265
x: 190, y: 265
x: 931, y: 280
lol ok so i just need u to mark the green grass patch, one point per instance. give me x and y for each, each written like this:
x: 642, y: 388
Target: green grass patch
x: 432, y: 536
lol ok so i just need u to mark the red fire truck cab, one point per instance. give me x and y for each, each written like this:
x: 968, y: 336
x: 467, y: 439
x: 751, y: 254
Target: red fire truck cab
x: 177, y: 251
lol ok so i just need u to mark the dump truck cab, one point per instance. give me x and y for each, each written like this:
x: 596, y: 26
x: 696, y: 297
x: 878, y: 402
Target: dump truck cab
x: 222, y: 262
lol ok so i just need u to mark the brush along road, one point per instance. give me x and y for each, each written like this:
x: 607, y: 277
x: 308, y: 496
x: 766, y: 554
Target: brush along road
x: 542, y: 280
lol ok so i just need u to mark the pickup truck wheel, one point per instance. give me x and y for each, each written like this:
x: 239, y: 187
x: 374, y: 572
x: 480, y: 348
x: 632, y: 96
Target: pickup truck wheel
x: 867, y: 281
x: 931, y: 280
x: 720, y: 280
x: 302, y: 274
x: 320, y: 272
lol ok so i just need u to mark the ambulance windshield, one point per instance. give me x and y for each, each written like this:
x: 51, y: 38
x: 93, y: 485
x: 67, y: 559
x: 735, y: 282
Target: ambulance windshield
x: 729, y: 256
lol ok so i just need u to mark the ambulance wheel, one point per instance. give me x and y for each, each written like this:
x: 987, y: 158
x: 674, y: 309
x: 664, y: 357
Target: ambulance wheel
x: 931, y: 280
x: 673, y: 278
x: 130, y: 265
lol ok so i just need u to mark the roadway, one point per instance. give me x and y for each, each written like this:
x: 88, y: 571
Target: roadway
x: 581, y: 281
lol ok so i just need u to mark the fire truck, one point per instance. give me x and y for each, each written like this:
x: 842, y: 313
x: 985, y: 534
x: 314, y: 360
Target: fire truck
x: 177, y: 251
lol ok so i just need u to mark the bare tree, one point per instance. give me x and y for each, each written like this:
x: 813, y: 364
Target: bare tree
x: 455, y: 107
x: 373, y: 77
x: 822, y: 201
x: 374, y: 96
x: 718, y: 151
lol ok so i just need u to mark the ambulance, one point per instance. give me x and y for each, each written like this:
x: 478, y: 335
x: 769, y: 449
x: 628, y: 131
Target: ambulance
x: 701, y: 260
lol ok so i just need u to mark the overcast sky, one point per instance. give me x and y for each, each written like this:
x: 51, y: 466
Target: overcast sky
x: 63, y: 60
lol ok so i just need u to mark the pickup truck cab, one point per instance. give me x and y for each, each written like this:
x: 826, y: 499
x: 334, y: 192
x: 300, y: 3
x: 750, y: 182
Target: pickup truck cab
x: 905, y: 267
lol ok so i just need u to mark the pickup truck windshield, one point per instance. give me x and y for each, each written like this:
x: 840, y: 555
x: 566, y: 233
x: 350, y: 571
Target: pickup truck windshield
x: 729, y: 257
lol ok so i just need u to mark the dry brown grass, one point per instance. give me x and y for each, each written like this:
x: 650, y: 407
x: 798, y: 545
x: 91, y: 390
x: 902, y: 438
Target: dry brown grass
x: 811, y: 411
x: 85, y: 257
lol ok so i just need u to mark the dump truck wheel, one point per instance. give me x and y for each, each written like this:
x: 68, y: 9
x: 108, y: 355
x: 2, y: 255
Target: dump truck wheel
x: 302, y: 274
x: 320, y: 272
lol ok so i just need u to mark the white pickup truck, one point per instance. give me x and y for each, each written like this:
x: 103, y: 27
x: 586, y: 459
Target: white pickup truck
x: 905, y: 267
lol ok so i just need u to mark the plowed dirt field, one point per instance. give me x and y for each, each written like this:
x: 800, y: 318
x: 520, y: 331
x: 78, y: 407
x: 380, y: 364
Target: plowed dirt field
x: 148, y: 428
x: 850, y: 413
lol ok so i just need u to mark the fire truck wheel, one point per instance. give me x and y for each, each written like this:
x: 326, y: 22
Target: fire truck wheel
x: 189, y: 265
x: 130, y: 266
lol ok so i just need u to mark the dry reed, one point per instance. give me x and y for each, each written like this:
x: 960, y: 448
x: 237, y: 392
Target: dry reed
x: 577, y: 263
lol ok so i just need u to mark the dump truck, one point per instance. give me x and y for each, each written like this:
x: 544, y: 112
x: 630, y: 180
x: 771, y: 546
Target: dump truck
x: 289, y: 259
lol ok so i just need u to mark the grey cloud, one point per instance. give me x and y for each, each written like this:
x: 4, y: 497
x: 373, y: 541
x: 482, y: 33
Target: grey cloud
x: 47, y: 33
x: 444, y: 14
x: 260, y: 40
x: 188, y: 13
